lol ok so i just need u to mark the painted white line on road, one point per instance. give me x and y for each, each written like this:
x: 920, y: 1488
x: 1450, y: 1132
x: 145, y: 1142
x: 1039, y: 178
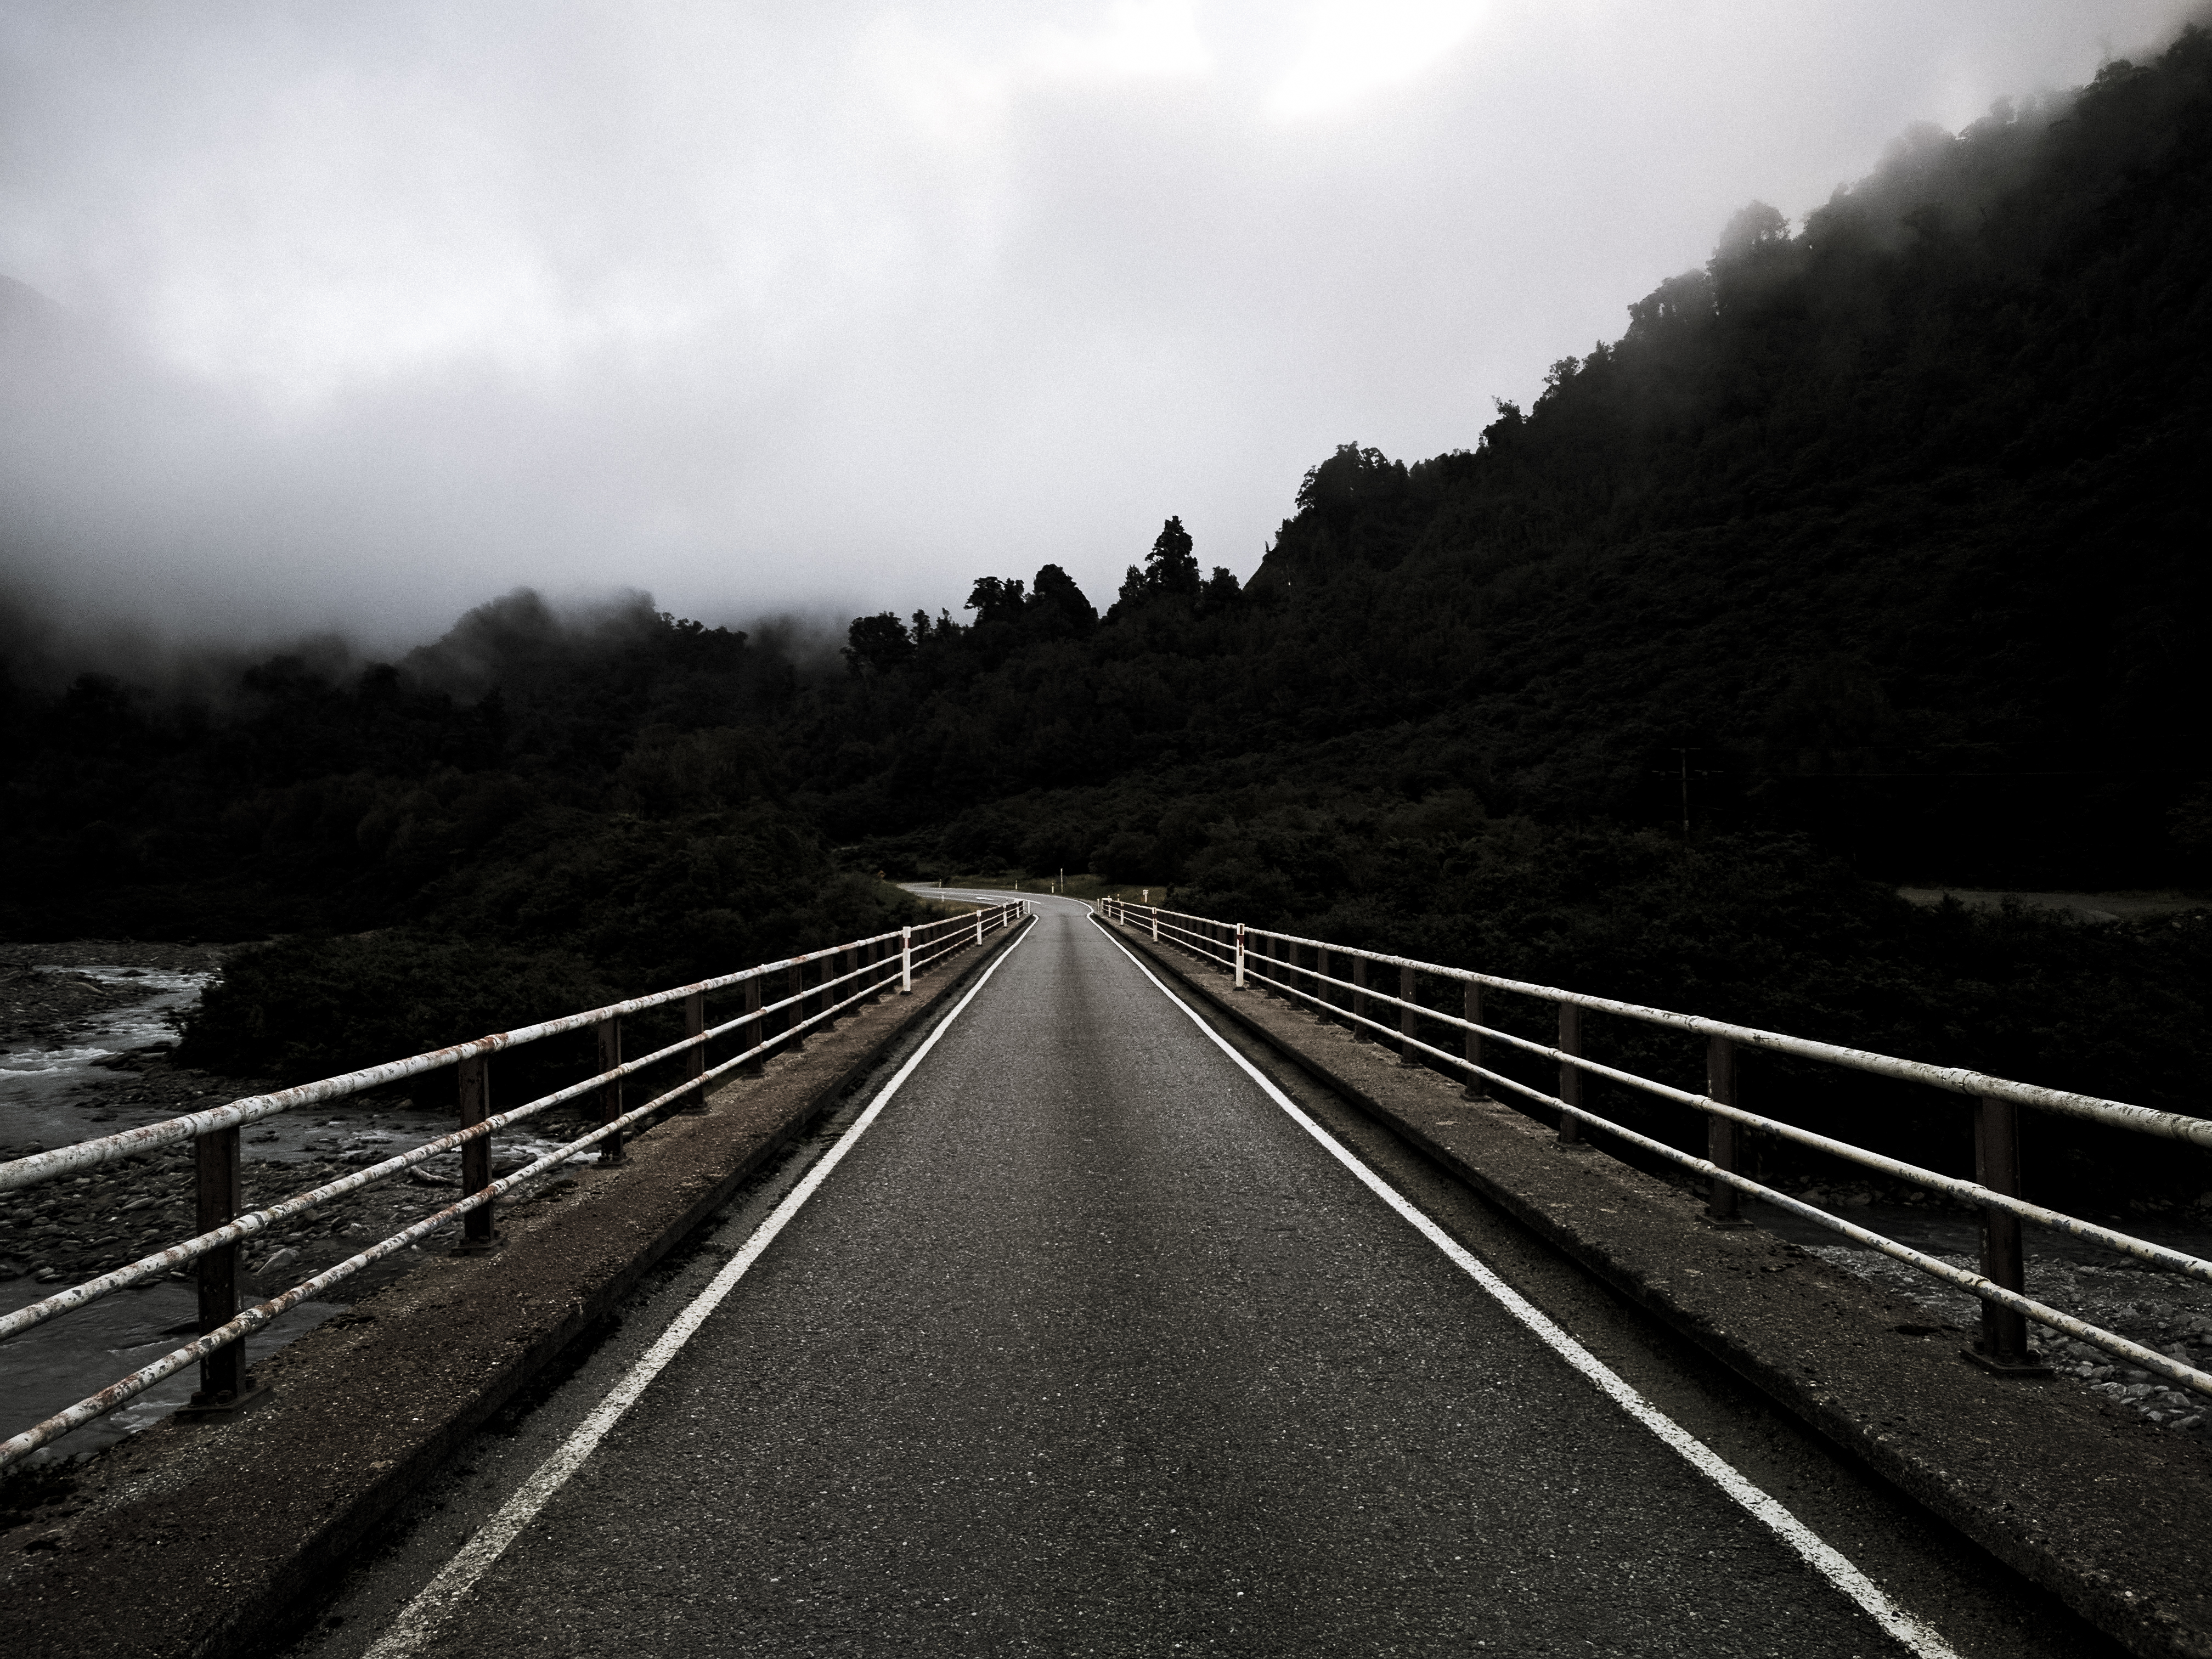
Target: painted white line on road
x: 420, y: 1617
x: 1823, y: 1560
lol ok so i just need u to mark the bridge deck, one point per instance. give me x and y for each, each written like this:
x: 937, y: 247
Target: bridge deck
x: 1088, y: 1346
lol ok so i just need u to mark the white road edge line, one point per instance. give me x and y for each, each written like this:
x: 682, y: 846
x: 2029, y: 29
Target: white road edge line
x: 1823, y: 1560
x: 420, y: 1617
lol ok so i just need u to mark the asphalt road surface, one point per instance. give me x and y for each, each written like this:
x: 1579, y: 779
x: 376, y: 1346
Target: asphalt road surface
x: 1085, y: 1342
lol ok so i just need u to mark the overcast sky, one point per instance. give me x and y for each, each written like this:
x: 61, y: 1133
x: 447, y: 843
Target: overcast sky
x: 375, y: 310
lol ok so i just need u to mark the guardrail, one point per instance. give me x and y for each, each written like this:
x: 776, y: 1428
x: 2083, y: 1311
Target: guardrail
x: 842, y: 976
x: 1299, y: 968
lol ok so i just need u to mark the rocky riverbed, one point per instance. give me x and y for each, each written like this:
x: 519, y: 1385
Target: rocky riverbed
x: 87, y: 1040
x: 2151, y: 1306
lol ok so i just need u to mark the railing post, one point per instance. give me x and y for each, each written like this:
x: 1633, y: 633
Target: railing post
x: 478, y: 1230
x: 978, y: 927
x: 1407, y: 1054
x: 1359, y: 1033
x: 695, y: 1058
x: 1571, y: 1076
x: 1471, y: 1006
x: 2003, y: 1343
x: 219, y: 1193
x: 753, y: 1034
x: 906, y: 961
x: 610, y: 1093
x: 1723, y: 1202
x: 1240, y: 956
x: 1156, y: 924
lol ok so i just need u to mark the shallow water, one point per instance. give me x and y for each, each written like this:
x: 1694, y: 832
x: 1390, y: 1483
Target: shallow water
x: 44, y: 1096
x: 59, y: 1096
x: 55, y: 1365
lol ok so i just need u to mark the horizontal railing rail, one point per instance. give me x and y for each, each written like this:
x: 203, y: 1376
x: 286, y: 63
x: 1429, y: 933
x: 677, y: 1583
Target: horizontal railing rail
x: 860, y: 970
x: 1275, y: 962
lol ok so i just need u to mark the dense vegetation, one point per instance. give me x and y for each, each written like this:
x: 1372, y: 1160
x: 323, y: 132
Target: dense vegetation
x: 1882, y: 538
x: 530, y: 814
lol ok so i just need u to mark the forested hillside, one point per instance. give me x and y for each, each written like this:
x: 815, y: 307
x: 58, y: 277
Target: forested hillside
x: 533, y: 812
x: 1894, y: 525
x: 1883, y: 537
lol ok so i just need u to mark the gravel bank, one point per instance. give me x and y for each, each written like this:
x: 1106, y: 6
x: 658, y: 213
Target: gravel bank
x: 2159, y: 1310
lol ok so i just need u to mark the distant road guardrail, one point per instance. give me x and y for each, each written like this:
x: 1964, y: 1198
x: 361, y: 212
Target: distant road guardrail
x: 1301, y: 968
x: 842, y: 976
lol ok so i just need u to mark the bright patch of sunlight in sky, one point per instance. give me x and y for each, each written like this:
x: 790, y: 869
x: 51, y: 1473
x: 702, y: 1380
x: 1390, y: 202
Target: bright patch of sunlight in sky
x: 1353, y: 47
x: 1139, y: 38
x: 957, y: 84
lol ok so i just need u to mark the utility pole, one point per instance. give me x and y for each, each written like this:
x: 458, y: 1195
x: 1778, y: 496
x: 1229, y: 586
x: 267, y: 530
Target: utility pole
x: 1684, y: 774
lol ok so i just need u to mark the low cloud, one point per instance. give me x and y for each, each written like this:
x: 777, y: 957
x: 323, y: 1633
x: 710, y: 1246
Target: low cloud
x: 356, y: 316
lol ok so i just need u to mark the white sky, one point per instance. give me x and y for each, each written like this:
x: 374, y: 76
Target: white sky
x: 386, y: 307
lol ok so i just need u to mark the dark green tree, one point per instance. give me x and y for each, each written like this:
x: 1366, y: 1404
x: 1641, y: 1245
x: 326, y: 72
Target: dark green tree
x: 877, y: 645
x: 1059, y: 606
x: 996, y: 598
x: 1172, y: 568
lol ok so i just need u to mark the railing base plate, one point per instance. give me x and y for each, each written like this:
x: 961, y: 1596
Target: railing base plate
x: 479, y: 1246
x: 199, y: 1409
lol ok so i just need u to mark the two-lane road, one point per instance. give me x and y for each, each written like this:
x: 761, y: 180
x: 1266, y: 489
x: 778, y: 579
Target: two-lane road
x: 1085, y: 1342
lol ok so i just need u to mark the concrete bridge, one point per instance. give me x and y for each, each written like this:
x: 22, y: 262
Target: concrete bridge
x: 1082, y: 1302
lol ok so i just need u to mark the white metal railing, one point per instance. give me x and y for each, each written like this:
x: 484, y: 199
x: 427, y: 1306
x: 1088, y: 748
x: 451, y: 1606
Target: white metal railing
x: 1279, y: 962
x: 843, y: 977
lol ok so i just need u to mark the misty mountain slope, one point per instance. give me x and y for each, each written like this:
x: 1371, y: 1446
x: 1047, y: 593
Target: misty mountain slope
x: 1918, y: 490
